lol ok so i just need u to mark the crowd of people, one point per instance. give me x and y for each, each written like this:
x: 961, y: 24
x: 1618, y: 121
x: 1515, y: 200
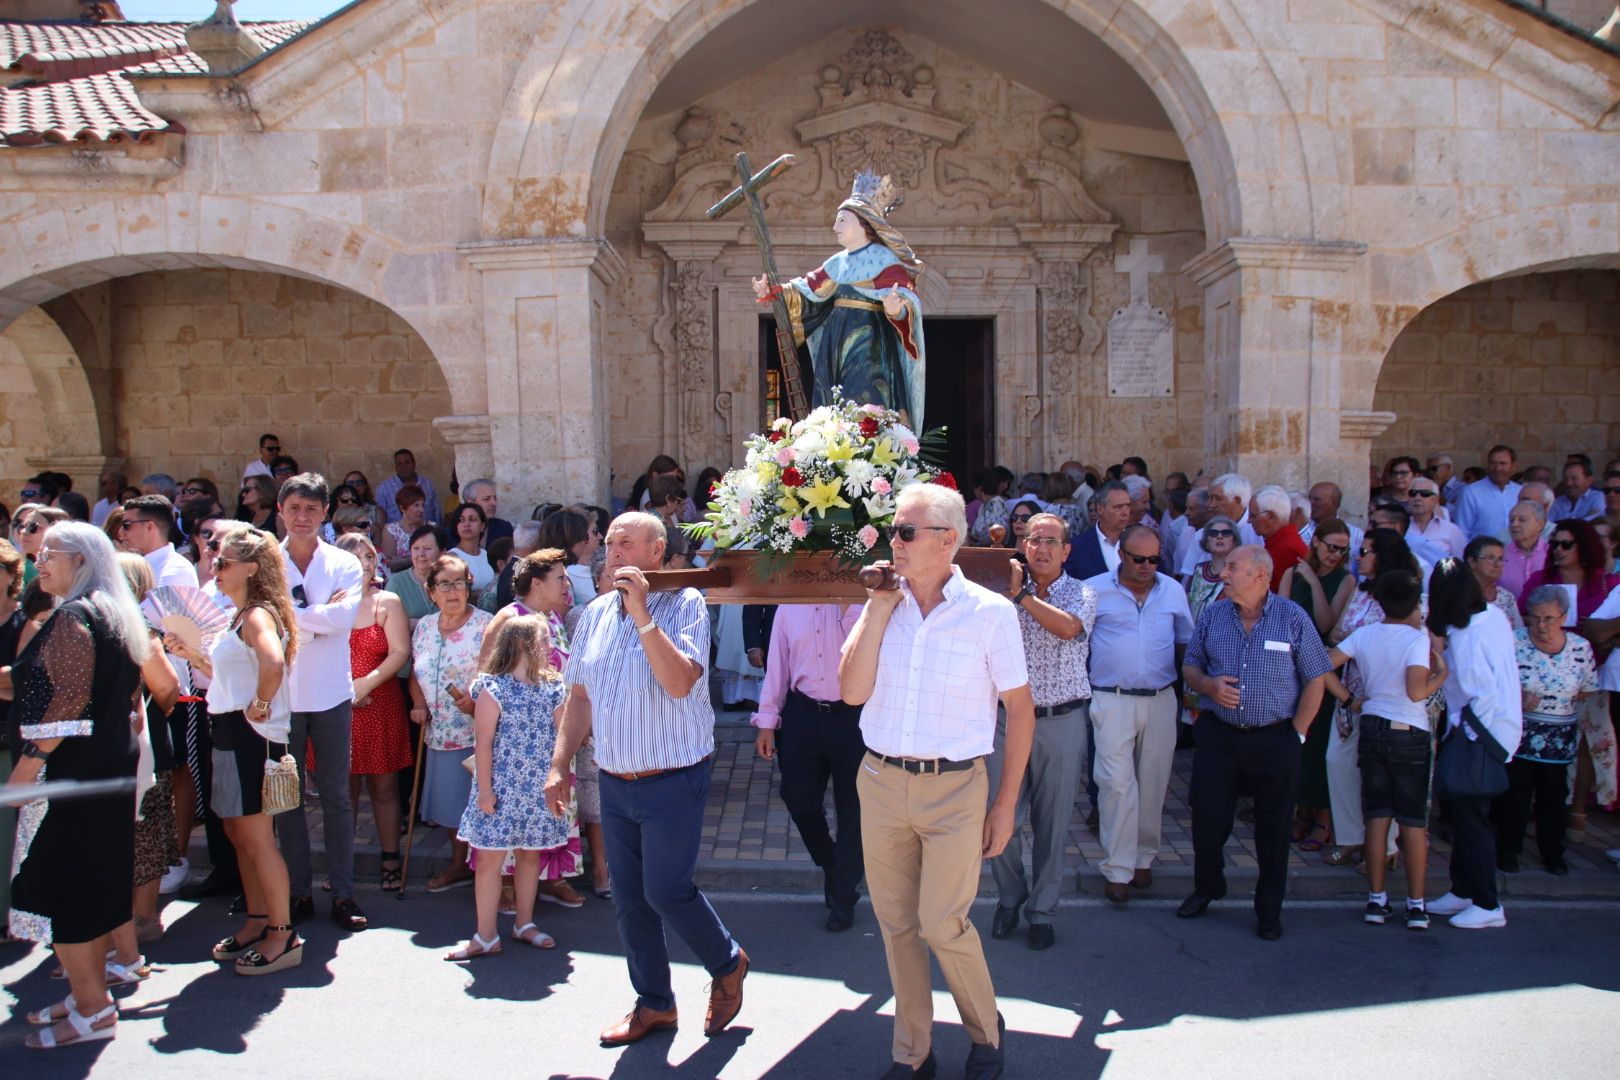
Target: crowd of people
x: 520, y: 687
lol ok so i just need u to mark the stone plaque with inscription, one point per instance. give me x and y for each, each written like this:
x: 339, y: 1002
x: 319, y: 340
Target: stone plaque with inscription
x: 1141, y: 352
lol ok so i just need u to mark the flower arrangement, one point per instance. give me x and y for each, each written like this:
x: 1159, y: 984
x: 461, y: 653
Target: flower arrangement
x: 824, y: 483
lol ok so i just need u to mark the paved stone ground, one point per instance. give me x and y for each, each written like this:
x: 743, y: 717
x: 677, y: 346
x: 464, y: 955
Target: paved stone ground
x: 749, y: 840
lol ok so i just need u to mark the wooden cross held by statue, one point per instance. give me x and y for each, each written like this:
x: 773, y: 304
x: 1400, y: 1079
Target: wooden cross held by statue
x: 747, y: 191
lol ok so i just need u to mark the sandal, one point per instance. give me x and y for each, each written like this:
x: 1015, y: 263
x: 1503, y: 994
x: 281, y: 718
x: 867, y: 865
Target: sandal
x: 348, y: 916
x: 49, y: 1015
x: 253, y: 961
x: 531, y: 934
x: 477, y: 947
x: 127, y: 974
x: 451, y: 877
x: 84, y: 1028
x: 229, y: 949
x: 1310, y: 843
x: 1343, y: 856
x: 391, y: 879
x: 560, y: 892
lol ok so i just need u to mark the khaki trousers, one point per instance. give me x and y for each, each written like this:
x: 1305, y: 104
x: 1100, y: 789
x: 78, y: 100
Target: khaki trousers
x: 922, y: 836
x: 1136, y: 747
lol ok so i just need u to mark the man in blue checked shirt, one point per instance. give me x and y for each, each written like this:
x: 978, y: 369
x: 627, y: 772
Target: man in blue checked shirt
x: 1259, y: 667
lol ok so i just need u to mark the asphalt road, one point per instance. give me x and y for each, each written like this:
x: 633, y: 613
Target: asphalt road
x: 1125, y: 993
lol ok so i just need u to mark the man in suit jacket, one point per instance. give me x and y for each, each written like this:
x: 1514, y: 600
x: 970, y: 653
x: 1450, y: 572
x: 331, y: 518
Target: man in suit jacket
x: 1096, y: 550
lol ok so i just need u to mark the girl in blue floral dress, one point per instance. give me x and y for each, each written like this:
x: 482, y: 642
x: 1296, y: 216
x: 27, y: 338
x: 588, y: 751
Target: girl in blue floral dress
x: 514, y: 734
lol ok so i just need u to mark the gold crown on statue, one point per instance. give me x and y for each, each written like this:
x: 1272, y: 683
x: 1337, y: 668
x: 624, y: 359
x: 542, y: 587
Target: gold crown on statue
x: 880, y: 193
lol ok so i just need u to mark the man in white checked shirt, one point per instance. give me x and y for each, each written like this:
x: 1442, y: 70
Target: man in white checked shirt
x: 638, y: 680
x: 928, y: 660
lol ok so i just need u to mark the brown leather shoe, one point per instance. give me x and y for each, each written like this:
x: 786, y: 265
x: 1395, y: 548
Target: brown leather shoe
x: 725, y: 998
x: 1117, y: 892
x: 1143, y: 879
x: 640, y: 1023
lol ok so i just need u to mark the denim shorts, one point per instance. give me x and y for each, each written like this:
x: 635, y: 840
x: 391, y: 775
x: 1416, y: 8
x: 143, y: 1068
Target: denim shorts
x: 1395, y: 770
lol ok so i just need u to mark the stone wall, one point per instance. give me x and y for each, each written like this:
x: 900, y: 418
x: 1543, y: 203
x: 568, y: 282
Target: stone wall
x: 22, y: 423
x: 1530, y: 361
x: 966, y: 194
x: 204, y: 361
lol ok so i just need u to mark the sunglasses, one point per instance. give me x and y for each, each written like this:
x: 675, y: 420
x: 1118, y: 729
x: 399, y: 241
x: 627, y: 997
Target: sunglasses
x: 271, y: 449
x: 1561, y: 545
x: 299, y: 596
x: 908, y: 533
x: 1611, y: 491
x: 1216, y: 534
x: 1020, y: 517
x: 347, y: 500
x: 192, y: 491
x: 1140, y: 559
x: 1337, y: 549
x: 33, y: 527
x: 1419, y: 493
x: 1364, y: 553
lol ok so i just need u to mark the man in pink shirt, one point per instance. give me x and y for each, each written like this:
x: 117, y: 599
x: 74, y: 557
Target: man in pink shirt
x: 807, y: 729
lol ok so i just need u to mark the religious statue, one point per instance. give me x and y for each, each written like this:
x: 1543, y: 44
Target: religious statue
x: 859, y: 313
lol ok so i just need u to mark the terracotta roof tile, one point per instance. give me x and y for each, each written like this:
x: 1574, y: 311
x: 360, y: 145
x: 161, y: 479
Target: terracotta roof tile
x: 65, y: 82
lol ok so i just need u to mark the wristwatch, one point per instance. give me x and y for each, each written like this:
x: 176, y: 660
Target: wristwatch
x: 1028, y: 589
x: 32, y: 750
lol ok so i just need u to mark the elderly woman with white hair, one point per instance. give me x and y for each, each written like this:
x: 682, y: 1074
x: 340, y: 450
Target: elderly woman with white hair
x: 1556, y: 671
x: 1525, y: 553
x: 74, y: 687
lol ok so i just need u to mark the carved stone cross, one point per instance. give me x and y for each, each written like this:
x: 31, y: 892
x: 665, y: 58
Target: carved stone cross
x: 1139, y: 264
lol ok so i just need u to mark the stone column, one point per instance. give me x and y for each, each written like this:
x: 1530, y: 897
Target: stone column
x: 688, y: 338
x: 544, y: 305
x: 472, y: 453
x: 1068, y: 332
x: 1275, y: 314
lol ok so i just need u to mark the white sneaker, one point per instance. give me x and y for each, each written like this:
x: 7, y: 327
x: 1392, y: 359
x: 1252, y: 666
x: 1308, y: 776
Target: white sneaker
x: 1475, y: 917
x: 1449, y: 904
x: 174, y: 877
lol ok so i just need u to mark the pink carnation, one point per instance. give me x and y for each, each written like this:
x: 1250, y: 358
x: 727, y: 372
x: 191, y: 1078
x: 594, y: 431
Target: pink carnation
x: 799, y: 527
x: 881, y: 487
x: 911, y: 446
x: 786, y: 456
x: 746, y: 507
x: 873, y: 410
x: 867, y: 536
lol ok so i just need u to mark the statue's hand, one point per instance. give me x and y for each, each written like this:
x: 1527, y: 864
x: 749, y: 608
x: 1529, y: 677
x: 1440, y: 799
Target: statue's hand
x: 894, y: 305
x: 761, y: 288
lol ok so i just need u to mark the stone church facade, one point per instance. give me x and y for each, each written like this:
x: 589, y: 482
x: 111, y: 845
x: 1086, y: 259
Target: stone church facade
x: 477, y: 227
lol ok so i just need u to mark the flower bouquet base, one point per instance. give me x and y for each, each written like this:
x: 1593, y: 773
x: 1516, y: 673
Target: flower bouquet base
x: 806, y: 577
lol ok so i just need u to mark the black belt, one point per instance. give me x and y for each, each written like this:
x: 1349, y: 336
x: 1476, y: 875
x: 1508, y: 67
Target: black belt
x: 1128, y: 691
x: 818, y: 704
x: 1059, y: 710
x: 924, y: 768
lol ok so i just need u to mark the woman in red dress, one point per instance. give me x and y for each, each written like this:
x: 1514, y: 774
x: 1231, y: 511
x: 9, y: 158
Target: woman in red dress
x: 379, y: 646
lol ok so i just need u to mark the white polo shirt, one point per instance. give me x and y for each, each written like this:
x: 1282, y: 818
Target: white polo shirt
x: 939, y: 678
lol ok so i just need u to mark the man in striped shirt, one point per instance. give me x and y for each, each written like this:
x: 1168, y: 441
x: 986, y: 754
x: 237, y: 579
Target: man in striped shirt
x: 637, y: 679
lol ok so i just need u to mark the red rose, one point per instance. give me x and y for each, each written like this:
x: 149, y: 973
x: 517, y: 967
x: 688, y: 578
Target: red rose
x: 792, y: 477
x: 775, y: 436
x: 869, y: 427
x: 945, y: 479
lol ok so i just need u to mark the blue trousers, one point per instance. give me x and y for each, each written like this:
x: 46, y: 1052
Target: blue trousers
x: 653, y: 829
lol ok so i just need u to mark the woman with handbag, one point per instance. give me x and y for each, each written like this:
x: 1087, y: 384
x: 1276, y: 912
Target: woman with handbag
x: 74, y: 683
x: 1485, y: 716
x: 249, y: 712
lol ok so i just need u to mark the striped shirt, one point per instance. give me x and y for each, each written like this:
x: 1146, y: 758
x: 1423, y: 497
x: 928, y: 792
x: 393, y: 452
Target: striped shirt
x: 637, y: 726
x: 938, y: 678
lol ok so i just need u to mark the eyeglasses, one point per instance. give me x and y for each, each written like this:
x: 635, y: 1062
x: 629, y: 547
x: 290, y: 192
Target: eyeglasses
x: 1337, y: 549
x: 192, y: 491
x: 33, y: 527
x: 1420, y: 493
x: 1043, y: 541
x: 211, y: 544
x: 452, y: 586
x: 908, y: 533
x: 29, y: 493
x: 271, y: 449
x: 1561, y: 545
x: 281, y: 470
x: 1494, y: 560
x: 347, y: 500
x: 1364, y: 553
x: 1216, y: 534
x: 1611, y: 491
x: 1140, y: 559
x: 44, y: 555
x: 1020, y: 517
